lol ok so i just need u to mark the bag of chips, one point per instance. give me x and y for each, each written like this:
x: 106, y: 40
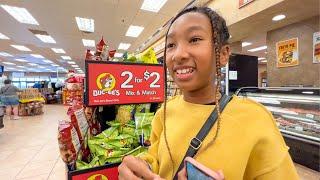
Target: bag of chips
x: 69, y: 143
x: 149, y: 56
x: 79, y: 121
x: 125, y: 113
x: 143, y: 108
x: 143, y: 127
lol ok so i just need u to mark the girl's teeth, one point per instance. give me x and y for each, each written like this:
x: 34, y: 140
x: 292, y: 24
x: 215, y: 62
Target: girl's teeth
x: 184, y: 71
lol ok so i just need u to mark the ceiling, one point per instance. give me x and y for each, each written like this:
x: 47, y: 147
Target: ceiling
x: 112, y: 19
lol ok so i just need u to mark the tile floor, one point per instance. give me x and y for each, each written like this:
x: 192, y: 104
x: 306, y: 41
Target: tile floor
x: 29, y: 148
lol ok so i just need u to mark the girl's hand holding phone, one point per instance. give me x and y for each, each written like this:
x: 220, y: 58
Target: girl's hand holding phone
x: 135, y: 169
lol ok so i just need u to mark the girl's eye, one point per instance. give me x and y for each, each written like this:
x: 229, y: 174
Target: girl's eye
x: 195, y: 40
x: 170, y: 45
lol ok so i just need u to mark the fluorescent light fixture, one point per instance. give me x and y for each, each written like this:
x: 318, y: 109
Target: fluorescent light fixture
x: 152, y: 5
x: 2, y: 36
x: 88, y: 43
x: 5, y: 54
x: 85, y: 24
x: 77, y: 68
x: 261, y: 58
x: 21, y: 60
x: 21, y: 48
x: 20, y: 14
x: 258, y: 49
x: 307, y: 92
x: 134, y: 31
x: 32, y: 64
x: 264, y: 61
x: 8, y: 63
x: 48, y: 69
x: 58, y: 50
x: 278, y: 17
x: 71, y: 62
x: 244, y: 44
x: 47, y: 61
x: 21, y: 66
x: 124, y: 46
x: 66, y: 57
x: 56, y: 65
x: 37, y: 56
x: 75, y: 65
x: 266, y: 52
x: 41, y: 67
x: 45, y: 38
x: 118, y: 55
x: 20, y: 70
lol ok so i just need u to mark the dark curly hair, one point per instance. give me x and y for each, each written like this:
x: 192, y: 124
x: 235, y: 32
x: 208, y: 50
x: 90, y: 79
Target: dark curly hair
x: 220, y: 36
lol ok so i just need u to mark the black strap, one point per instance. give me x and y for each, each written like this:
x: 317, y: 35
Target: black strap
x: 196, y: 142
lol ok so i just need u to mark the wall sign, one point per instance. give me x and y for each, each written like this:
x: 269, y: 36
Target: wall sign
x: 244, y: 2
x: 316, y: 47
x: 123, y: 83
x: 287, y: 53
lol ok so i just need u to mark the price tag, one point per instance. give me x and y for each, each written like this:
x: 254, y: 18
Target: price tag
x: 121, y: 83
x: 311, y: 116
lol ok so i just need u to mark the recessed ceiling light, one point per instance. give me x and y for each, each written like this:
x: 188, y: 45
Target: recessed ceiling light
x: 261, y: 58
x: 152, y: 5
x: 21, y: 60
x: 20, y: 14
x: 8, y: 63
x: 230, y: 36
x: 66, y: 57
x: 2, y: 36
x: 54, y: 65
x: 37, y: 56
x: 124, y: 46
x: 21, y: 48
x: 71, y: 62
x: 74, y: 65
x: 118, y: 55
x: 45, y: 38
x: 32, y: 64
x: 278, y: 17
x: 58, y: 50
x: 244, y: 44
x: 134, y: 31
x: 88, y: 43
x: 85, y: 24
x: 5, y: 54
x: 47, y: 61
x: 258, y: 49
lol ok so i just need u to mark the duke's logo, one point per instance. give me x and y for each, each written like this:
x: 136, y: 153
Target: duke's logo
x: 106, y: 82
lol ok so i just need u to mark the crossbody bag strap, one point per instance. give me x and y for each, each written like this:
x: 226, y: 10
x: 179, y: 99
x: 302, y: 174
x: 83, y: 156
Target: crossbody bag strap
x: 196, y: 142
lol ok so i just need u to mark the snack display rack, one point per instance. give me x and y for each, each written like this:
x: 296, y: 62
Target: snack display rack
x: 31, y: 102
x: 296, y: 111
x: 115, y: 120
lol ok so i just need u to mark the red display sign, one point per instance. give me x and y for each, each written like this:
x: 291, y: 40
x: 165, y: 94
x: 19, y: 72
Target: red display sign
x: 103, y: 174
x: 122, y: 83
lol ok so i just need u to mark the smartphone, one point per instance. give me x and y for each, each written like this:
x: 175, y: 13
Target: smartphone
x: 196, y: 171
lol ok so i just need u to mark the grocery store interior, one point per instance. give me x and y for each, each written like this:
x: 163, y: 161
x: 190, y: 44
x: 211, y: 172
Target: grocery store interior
x: 46, y: 48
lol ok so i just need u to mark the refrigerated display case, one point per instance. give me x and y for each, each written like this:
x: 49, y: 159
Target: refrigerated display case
x: 297, y: 114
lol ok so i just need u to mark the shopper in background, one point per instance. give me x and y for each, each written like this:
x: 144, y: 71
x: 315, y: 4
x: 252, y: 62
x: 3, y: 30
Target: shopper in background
x: 244, y: 143
x: 10, y: 99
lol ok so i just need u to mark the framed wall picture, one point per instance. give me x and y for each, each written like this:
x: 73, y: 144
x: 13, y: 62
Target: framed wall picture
x: 287, y: 53
x: 316, y: 47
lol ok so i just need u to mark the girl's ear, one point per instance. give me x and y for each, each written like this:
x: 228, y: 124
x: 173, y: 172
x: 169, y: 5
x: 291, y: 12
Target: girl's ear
x: 224, y: 55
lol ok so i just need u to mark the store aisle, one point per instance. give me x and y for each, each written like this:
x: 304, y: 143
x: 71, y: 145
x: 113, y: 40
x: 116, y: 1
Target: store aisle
x: 29, y: 148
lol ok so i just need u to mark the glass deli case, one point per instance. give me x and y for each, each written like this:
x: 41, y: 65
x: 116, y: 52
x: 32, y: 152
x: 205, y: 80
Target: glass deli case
x: 297, y: 114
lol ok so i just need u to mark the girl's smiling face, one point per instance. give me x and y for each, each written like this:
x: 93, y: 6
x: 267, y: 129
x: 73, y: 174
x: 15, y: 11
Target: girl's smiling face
x: 189, y: 52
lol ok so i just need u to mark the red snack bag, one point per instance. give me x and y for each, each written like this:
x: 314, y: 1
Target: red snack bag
x: 94, y: 126
x: 68, y: 140
x: 79, y: 121
x: 99, y: 47
x: 111, y: 53
x: 89, y: 56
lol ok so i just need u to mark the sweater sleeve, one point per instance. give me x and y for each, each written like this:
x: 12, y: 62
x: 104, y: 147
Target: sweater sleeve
x: 285, y: 170
x: 152, y: 155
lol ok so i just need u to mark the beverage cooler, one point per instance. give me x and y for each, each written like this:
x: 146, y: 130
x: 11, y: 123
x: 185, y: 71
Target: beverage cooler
x: 297, y: 114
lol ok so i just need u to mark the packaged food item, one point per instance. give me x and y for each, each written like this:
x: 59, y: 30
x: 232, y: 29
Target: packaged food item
x: 111, y: 53
x: 149, y: 56
x: 79, y: 121
x: 69, y: 143
x: 94, y: 125
x: 89, y: 56
x: 143, y: 108
x: 143, y: 127
x: 125, y: 113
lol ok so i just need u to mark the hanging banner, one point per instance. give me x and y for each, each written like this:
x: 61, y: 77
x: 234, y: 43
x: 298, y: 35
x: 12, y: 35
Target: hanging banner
x: 123, y: 83
x: 287, y: 53
x: 244, y: 2
x: 316, y: 47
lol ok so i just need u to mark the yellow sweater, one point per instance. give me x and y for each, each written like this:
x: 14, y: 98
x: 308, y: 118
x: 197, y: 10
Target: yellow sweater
x: 249, y: 144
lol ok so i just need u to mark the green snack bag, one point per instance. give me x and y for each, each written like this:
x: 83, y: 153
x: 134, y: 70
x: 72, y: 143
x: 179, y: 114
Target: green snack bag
x: 108, y: 133
x: 125, y: 113
x: 82, y: 165
x: 143, y: 127
x: 143, y: 108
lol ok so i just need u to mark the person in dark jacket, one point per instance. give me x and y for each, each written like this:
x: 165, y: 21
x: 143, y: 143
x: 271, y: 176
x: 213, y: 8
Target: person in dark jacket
x: 10, y: 99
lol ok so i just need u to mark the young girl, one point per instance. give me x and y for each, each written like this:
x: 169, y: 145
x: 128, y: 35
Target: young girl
x: 244, y: 143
